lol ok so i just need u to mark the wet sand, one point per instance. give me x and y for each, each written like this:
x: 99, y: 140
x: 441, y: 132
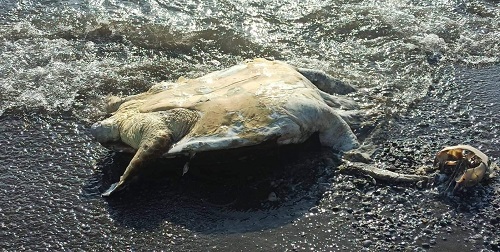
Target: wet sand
x: 52, y: 175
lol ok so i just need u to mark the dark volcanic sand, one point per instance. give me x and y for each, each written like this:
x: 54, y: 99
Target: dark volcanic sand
x: 52, y: 174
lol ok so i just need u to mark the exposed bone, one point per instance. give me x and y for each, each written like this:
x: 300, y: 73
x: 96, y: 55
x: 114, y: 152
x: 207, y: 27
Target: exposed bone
x: 477, y: 162
x: 471, y: 176
x: 441, y: 154
x: 381, y: 174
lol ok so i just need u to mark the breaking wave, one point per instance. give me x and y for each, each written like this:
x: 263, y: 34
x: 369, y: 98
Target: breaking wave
x: 60, y: 55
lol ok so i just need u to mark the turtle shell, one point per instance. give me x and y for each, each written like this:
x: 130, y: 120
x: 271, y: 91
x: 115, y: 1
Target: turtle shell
x: 249, y: 104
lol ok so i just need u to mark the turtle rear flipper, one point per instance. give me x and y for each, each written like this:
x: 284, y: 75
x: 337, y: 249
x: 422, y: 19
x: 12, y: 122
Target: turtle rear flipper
x: 326, y: 82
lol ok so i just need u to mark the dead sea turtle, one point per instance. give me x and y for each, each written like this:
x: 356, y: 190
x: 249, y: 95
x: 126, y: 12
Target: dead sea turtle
x: 245, y: 105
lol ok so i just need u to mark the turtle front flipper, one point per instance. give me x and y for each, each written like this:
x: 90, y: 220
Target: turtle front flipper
x: 152, y: 147
x: 113, y: 188
x: 152, y: 134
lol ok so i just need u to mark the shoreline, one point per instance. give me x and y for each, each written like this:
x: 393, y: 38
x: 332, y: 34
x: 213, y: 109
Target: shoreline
x: 54, y: 173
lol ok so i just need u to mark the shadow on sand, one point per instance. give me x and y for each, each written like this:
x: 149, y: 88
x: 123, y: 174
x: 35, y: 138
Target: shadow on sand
x: 222, y: 192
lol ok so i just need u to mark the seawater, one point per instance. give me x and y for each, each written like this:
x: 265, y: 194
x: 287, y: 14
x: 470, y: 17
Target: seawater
x: 68, y: 55
x: 60, y: 59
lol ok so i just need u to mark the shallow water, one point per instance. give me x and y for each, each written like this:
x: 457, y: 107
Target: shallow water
x: 422, y: 69
x: 67, y: 55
